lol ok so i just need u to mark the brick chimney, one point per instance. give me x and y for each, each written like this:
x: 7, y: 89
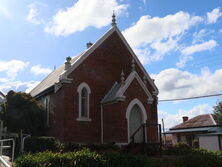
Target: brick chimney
x: 185, y: 118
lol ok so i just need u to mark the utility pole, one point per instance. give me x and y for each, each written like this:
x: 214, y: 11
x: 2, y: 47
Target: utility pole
x: 164, y: 132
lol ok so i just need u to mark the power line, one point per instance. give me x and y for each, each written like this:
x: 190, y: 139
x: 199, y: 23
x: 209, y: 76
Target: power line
x: 189, y: 98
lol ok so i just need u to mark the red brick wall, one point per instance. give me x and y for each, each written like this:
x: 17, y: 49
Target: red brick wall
x: 100, y: 70
x: 115, y: 115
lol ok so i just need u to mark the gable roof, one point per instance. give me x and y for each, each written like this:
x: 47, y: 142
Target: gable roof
x: 51, y: 79
x: 117, y: 91
x: 198, y: 121
x: 61, y: 73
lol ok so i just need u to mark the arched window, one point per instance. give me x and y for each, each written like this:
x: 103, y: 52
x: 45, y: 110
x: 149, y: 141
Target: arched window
x: 84, y: 101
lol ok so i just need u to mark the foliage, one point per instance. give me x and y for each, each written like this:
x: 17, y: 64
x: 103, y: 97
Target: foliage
x: 67, y: 147
x: 83, y: 158
x: 40, y: 144
x: 195, y: 143
x: 178, y: 149
x: 202, y: 158
x: 125, y: 160
x: 87, y: 158
x: 21, y: 112
x: 217, y: 112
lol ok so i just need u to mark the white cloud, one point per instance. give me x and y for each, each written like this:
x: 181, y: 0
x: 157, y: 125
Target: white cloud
x: 149, y: 29
x: 208, y: 45
x: 33, y: 14
x: 158, y: 36
x: 82, y: 14
x: 170, y: 120
x: 4, y: 9
x: 213, y: 16
x: 220, y: 30
x: 183, y: 61
x: 38, y: 70
x: 18, y: 86
x: 174, y: 83
x: 12, y: 67
x: 198, y: 36
x: 4, y: 79
x: 187, y: 51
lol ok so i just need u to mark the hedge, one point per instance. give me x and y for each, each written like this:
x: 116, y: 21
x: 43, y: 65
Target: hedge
x: 87, y: 158
x: 83, y: 158
x: 40, y: 144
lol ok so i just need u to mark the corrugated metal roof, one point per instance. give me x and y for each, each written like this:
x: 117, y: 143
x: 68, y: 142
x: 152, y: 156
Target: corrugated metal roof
x: 51, y: 79
x: 198, y: 121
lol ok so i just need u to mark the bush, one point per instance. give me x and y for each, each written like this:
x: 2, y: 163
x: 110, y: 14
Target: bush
x: 125, y: 160
x: 195, y: 143
x: 68, y: 147
x: 202, y: 158
x: 178, y: 149
x: 83, y: 158
x: 102, y: 147
x: 87, y: 158
x: 40, y: 144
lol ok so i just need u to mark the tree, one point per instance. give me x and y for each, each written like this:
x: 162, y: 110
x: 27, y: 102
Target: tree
x: 21, y: 112
x: 217, y: 112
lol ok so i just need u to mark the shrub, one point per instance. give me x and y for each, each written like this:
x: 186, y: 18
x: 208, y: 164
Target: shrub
x: 40, y: 144
x: 68, y: 147
x: 83, y: 158
x: 202, y: 158
x: 178, y: 149
x: 100, y: 147
x: 125, y: 160
x: 195, y: 143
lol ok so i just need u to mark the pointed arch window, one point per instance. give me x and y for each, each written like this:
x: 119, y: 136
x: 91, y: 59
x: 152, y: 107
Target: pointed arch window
x: 84, y: 101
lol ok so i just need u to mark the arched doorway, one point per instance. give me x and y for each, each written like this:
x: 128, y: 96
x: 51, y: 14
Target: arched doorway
x: 135, y: 115
x: 135, y: 121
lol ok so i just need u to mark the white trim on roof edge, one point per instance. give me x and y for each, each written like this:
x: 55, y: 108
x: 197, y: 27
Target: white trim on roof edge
x: 134, y: 75
x: 211, y: 116
x: 97, y: 44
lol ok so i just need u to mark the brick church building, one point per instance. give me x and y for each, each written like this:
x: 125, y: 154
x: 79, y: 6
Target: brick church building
x: 103, y: 95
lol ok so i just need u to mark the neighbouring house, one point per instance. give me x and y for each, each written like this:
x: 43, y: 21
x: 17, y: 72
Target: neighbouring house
x: 103, y: 95
x: 202, y: 127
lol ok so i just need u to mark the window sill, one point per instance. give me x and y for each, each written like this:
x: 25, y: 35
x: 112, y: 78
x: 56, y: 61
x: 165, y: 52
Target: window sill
x: 84, y: 119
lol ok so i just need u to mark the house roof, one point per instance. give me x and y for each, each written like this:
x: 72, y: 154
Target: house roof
x: 111, y: 95
x: 51, y: 79
x: 61, y: 73
x: 117, y: 91
x: 198, y: 121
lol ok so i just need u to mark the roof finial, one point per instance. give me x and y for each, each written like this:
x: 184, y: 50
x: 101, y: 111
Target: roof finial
x: 113, y: 19
x: 122, y: 78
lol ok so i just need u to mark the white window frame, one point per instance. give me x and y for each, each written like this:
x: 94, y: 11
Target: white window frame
x: 79, y: 90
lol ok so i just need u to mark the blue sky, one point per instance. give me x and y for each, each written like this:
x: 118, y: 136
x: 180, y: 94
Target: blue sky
x: 178, y: 42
